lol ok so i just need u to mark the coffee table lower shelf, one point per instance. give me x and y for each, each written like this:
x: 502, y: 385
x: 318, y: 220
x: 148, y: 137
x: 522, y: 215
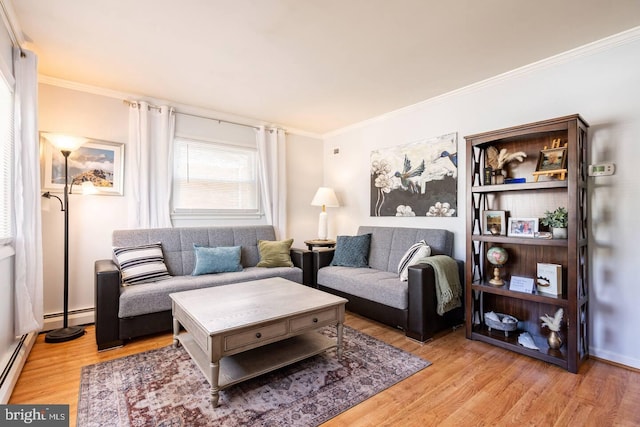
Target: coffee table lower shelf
x: 252, y: 363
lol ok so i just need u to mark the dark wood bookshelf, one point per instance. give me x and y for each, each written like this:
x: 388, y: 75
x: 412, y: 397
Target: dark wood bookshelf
x: 530, y: 199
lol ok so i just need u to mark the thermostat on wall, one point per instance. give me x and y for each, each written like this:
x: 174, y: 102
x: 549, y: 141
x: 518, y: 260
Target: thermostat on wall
x: 602, y: 169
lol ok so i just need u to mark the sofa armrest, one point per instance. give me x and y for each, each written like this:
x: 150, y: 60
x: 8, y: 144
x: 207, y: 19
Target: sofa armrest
x: 303, y: 258
x: 423, y: 320
x: 107, y: 300
x: 321, y: 258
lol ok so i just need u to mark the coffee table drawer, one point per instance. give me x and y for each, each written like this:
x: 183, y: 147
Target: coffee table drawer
x: 313, y: 320
x: 255, y: 336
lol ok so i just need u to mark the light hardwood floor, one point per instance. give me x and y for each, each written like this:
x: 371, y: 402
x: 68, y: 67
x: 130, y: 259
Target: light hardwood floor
x: 469, y: 384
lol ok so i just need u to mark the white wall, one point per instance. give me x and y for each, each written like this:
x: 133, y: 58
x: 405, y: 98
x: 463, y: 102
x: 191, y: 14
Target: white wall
x: 93, y: 218
x: 602, y: 83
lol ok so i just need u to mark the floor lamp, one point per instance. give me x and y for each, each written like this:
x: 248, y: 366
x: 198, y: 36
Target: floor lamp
x: 66, y: 145
x: 324, y: 197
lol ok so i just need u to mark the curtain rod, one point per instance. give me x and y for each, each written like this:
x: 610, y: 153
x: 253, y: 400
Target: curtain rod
x: 199, y: 116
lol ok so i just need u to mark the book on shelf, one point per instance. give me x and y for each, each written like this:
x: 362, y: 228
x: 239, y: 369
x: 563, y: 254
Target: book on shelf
x: 549, y: 279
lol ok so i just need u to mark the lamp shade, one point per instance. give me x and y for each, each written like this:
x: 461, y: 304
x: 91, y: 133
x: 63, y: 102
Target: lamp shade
x: 64, y: 142
x: 325, y: 196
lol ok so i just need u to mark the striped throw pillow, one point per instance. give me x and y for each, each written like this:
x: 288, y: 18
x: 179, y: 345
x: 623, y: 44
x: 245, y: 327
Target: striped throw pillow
x: 141, y: 264
x: 415, y: 253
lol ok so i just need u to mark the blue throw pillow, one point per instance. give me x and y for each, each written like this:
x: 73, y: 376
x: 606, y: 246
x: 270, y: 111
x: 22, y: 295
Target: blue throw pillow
x: 216, y: 260
x: 352, y: 251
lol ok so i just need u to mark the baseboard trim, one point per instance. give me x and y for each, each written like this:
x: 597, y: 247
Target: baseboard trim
x: 12, y: 371
x: 614, y: 358
x: 84, y: 316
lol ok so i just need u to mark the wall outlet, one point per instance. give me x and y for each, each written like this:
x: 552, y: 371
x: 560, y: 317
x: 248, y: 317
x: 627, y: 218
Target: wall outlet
x: 602, y: 169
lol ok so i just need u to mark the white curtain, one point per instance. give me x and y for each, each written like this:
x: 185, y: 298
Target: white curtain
x: 272, y: 155
x: 28, y: 240
x: 150, y: 165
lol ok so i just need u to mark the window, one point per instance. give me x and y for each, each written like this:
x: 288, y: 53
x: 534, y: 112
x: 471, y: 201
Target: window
x: 6, y: 162
x: 215, y: 178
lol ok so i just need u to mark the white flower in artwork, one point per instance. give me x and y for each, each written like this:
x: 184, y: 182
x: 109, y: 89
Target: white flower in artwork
x: 441, y: 209
x: 403, y: 210
x: 383, y: 182
x: 380, y: 167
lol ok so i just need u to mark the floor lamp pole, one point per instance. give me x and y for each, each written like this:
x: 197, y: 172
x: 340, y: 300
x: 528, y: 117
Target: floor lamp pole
x: 66, y: 333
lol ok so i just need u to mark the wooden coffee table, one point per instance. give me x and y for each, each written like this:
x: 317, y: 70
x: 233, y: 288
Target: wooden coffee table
x: 239, y: 331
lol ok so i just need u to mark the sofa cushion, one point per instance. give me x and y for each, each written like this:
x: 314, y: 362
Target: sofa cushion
x: 388, y: 244
x: 216, y: 260
x: 413, y: 255
x: 352, y: 251
x: 141, y: 264
x: 375, y: 285
x: 177, y: 243
x: 275, y: 253
x: 154, y: 297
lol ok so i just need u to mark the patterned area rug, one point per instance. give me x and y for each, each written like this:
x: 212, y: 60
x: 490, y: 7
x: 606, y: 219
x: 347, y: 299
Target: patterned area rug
x: 165, y: 388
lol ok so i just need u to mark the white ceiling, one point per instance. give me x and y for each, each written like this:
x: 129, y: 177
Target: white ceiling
x: 313, y: 65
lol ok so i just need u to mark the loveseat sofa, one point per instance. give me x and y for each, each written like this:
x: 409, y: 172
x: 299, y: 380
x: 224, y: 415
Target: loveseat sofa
x: 377, y: 292
x: 125, y: 312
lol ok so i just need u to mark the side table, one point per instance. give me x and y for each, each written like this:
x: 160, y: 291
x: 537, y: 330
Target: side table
x: 319, y: 243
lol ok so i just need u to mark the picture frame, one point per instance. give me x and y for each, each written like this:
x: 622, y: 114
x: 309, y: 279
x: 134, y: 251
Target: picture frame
x: 522, y: 227
x: 98, y: 161
x: 494, y: 223
x: 552, y: 159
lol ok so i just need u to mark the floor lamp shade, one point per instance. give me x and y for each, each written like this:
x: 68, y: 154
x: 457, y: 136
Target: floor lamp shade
x: 324, y: 197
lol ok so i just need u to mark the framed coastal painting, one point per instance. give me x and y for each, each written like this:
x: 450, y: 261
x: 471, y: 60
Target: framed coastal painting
x: 96, y: 161
x: 415, y: 179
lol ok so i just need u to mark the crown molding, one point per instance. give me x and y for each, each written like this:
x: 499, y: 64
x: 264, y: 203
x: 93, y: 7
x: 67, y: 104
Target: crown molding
x: 11, y: 23
x: 100, y: 91
x: 608, y: 43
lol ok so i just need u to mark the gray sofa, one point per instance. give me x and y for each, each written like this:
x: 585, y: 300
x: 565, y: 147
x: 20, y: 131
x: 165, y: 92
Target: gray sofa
x: 378, y: 293
x: 125, y: 312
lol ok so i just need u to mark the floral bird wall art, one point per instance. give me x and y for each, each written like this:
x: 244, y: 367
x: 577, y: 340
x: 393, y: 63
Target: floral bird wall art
x: 416, y: 179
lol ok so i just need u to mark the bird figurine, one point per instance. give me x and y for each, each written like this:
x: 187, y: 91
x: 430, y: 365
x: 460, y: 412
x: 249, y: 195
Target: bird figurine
x: 498, y: 159
x: 408, y: 173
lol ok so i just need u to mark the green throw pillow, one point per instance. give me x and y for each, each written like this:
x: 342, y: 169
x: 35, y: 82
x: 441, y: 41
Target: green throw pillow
x: 275, y: 253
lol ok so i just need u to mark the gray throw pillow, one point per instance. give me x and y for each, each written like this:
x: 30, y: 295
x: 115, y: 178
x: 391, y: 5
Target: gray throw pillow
x: 352, y: 251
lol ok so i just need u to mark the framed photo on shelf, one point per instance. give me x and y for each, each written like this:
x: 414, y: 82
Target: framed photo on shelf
x: 494, y: 223
x: 552, y: 159
x: 101, y: 162
x: 522, y: 227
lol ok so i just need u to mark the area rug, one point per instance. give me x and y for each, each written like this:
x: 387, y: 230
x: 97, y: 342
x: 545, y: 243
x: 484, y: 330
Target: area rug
x: 164, y: 387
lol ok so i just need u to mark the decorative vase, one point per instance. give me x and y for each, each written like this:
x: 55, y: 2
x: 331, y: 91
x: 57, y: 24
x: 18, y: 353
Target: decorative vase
x: 554, y: 340
x: 559, y: 233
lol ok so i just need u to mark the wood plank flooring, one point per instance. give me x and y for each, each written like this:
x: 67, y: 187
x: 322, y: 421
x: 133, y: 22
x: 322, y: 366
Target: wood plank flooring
x: 469, y: 384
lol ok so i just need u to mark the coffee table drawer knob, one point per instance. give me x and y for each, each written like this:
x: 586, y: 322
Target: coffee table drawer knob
x: 315, y: 320
x: 258, y: 335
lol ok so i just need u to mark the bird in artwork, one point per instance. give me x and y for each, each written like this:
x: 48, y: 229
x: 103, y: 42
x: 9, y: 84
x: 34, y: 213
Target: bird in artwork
x: 453, y: 157
x: 407, y: 173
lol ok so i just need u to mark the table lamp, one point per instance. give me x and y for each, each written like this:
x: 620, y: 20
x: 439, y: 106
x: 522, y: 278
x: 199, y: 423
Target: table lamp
x: 324, y: 197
